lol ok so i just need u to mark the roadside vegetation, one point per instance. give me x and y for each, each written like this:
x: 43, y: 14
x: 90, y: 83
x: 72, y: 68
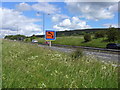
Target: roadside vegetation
x: 29, y: 66
x: 98, y: 39
x: 79, y: 41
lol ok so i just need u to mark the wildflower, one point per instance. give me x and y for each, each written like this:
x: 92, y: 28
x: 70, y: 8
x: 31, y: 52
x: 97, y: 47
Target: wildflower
x: 3, y: 77
x: 81, y: 71
x: 56, y: 71
x: 43, y: 85
x: 103, y: 67
x: 51, y: 74
x: 57, y: 55
x: 36, y: 56
x: 42, y: 65
x: 115, y: 65
x: 27, y: 71
x: 102, y: 61
x: 66, y: 76
x: 84, y: 85
x: 87, y: 61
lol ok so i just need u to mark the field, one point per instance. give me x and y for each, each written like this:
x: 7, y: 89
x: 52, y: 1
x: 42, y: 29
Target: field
x: 29, y: 66
x: 78, y: 41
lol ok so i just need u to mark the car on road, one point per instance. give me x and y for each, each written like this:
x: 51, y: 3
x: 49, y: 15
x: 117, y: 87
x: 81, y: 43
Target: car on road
x: 34, y: 41
x: 113, y: 46
x: 47, y: 43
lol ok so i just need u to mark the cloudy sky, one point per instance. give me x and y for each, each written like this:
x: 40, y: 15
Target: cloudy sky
x: 27, y: 17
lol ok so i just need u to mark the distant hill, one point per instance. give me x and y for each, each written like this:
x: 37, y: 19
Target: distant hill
x: 77, y: 32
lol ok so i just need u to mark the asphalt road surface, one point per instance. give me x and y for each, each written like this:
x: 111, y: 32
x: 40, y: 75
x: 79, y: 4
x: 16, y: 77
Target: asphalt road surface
x: 99, y: 55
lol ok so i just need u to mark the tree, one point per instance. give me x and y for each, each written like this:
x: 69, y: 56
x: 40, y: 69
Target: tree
x: 32, y: 37
x: 87, y: 37
x: 15, y: 37
x: 112, y: 34
x: 100, y: 34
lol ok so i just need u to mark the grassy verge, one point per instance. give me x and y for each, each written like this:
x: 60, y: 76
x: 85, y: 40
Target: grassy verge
x: 30, y: 66
x: 79, y: 41
x: 0, y: 63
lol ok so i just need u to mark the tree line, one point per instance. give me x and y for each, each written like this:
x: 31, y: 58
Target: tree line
x: 111, y: 35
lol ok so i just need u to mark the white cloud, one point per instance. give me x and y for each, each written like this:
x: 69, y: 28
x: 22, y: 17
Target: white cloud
x: 4, y: 32
x: 45, y: 7
x: 70, y: 24
x: 23, y: 7
x: 93, y: 10
x: 91, y: 0
x: 59, y: 17
x: 113, y: 8
x: 109, y: 24
x: 65, y: 23
x: 13, y: 21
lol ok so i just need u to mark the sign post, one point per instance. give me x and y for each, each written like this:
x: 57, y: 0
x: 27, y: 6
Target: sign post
x: 50, y: 43
x: 50, y: 36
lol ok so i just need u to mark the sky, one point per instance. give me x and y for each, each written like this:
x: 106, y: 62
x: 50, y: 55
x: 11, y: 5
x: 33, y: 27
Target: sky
x: 27, y: 18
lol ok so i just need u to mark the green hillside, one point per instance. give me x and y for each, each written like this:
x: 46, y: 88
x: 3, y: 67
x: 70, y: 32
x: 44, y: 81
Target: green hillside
x: 78, y: 41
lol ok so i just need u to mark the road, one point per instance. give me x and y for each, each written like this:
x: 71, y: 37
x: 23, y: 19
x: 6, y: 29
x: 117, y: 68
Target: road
x: 99, y: 55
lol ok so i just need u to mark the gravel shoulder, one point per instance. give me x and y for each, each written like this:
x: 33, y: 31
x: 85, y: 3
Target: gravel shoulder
x: 99, y: 55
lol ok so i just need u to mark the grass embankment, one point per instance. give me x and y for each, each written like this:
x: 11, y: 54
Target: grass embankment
x: 30, y: 66
x: 78, y: 41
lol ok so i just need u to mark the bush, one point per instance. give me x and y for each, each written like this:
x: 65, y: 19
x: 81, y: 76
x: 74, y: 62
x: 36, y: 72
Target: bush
x: 100, y: 34
x: 15, y: 37
x: 83, y: 33
x: 27, y: 39
x: 77, y: 54
x: 87, y: 37
x: 112, y: 34
x: 32, y: 37
x: 75, y: 34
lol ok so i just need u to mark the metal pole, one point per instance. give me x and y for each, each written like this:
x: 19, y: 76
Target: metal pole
x: 43, y: 22
x: 17, y: 29
x: 50, y: 43
x: 17, y: 33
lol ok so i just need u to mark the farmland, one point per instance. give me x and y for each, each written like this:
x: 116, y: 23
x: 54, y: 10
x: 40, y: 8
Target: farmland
x: 29, y: 66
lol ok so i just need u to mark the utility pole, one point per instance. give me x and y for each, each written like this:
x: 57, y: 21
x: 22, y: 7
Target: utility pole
x: 43, y: 23
x: 43, y: 19
x: 17, y: 29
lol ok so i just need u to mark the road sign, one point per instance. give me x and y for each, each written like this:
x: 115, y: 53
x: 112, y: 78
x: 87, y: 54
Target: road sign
x: 50, y: 35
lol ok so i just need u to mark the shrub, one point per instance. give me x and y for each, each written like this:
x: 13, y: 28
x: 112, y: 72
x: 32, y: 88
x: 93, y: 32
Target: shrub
x: 32, y: 37
x: 27, y: 39
x: 15, y: 37
x: 87, y: 37
x: 75, y: 34
x: 83, y: 33
x: 100, y: 34
x: 112, y: 34
x: 77, y: 54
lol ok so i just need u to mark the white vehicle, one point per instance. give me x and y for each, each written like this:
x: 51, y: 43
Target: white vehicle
x: 34, y: 41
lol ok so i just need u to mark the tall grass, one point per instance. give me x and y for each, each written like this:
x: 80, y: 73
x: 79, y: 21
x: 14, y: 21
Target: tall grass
x: 78, y: 53
x: 0, y: 63
x: 30, y: 66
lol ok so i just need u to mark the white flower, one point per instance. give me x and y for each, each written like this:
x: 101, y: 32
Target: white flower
x: 66, y: 76
x: 115, y: 65
x: 43, y: 85
x: 56, y: 71
x: 51, y: 74
x: 103, y: 67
